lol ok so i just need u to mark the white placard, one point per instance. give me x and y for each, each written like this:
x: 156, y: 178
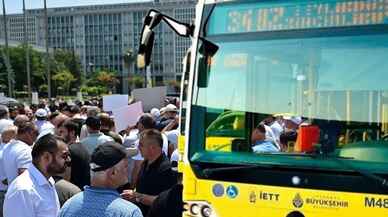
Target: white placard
x: 111, y: 102
x: 2, y: 94
x: 127, y: 115
x: 150, y: 97
x: 35, y: 98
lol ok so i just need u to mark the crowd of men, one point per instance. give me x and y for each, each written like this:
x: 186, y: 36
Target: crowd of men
x: 60, y: 159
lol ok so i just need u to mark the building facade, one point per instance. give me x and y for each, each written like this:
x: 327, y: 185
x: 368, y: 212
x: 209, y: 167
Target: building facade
x: 101, y: 34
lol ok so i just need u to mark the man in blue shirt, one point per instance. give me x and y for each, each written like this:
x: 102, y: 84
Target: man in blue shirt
x: 259, y: 142
x: 95, y: 137
x: 109, y: 170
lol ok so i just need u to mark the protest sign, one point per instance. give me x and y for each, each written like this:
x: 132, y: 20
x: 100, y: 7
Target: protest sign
x: 127, y: 115
x: 150, y: 97
x: 111, y: 102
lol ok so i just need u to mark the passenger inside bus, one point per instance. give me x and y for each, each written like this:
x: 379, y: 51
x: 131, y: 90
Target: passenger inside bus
x: 260, y: 142
x: 292, y: 123
x: 275, y: 123
x: 236, y: 131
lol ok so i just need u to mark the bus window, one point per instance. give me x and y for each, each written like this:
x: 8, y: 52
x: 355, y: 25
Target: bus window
x: 339, y: 102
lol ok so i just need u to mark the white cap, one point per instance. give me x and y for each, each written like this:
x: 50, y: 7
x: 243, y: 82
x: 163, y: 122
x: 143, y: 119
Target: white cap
x: 163, y: 110
x: 155, y: 112
x: 295, y: 119
x: 41, y: 113
x: 45, y: 131
x: 171, y: 108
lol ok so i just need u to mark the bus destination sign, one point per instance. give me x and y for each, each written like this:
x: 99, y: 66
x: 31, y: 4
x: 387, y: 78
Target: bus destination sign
x: 305, y: 15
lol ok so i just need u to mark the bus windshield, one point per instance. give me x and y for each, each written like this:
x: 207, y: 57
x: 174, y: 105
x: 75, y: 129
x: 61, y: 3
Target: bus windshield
x: 284, y: 89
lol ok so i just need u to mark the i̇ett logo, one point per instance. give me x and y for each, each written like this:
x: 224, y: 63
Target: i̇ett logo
x: 297, y: 201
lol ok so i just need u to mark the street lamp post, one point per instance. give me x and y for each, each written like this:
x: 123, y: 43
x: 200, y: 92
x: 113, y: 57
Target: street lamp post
x: 9, y: 74
x: 149, y: 77
x: 145, y: 76
x: 47, y: 51
x: 27, y: 50
x: 128, y: 59
x: 91, y: 71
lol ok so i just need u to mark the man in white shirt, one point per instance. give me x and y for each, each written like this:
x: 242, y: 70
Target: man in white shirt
x: 17, y: 154
x: 260, y: 141
x: 33, y: 194
x: 4, y: 118
x: 172, y: 137
x: 6, y: 136
x: 42, y: 123
x: 273, y: 129
x: 292, y: 123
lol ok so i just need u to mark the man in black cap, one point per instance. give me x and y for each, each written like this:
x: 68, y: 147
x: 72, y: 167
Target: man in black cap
x: 109, y: 170
x: 95, y: 137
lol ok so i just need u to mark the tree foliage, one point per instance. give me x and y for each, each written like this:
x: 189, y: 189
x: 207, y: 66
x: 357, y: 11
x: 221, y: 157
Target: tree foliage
x: 136, y: 81
x: 65, y: 69
x: 65, y: 78
x: 107, y: 78
x: 100, y: 82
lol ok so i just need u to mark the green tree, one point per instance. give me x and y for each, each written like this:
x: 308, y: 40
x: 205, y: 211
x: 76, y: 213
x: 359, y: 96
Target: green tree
x: 136, y: 81
x: 94, y: 90
x: 103, y: 78
x: 71, y: 62
x: 43, y: 89
x: 18, y: 63
x: 60, y: 61
x: 63, y: 80
x: 3, y: 74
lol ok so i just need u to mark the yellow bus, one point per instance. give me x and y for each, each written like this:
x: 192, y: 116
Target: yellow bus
x: 324, y: 62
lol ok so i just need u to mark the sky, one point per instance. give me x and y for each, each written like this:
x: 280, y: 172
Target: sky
x: 16, y: 6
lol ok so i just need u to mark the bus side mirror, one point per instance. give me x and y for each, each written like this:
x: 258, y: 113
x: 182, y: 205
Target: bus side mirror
x: 145, y: 48
x: 208, y: 48
x: 152, y: 19
x: 182, y: 29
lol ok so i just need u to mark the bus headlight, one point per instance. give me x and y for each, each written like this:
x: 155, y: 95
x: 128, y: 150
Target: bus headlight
x: 194, y: 209
x: 199, y: 209
x: 206, y: 211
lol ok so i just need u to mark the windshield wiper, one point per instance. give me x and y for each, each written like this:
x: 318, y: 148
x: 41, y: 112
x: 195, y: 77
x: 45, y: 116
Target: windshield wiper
x: 210, y: 171
x: 207, y: 20
x: 340, y: 160
x: 379, y: 180
x: 313, y: 155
